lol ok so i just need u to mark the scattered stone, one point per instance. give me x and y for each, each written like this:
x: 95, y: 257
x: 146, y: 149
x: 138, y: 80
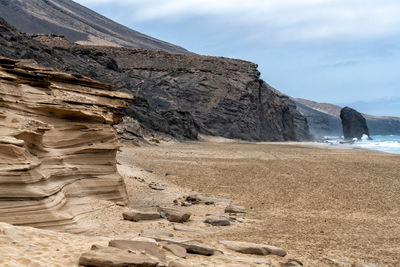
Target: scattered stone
x: 186, y: 204
x: 176, y: 264
x: 167, y: 174
x: 193, y: 249
x: 337, y: 262
x: 218, y: 220
x: 113, y: 257
x: 177, y: 250
x: 364, y: 265
x: 121, y: 204
x: 252, y: 248
x: 174, y: 215
x: 139, y: 246
x: 199, y: 199
x: 235, y: 209
x: 189, y: 229
x: 149, y: 171
x: 135, y: 215
x: 155, y: 232
x: 157, y: 187
x: 292, y: 263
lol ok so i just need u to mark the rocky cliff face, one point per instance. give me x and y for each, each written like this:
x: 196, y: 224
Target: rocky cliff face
x: 57, y: 145
x: 180, y: 95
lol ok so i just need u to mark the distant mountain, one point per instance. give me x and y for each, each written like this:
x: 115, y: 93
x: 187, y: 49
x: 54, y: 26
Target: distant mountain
x: 77, y: 23
x: 323, y: 119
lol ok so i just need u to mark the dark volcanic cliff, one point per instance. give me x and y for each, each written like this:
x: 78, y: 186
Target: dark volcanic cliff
x: 177, y: 94
x: 77, y: 23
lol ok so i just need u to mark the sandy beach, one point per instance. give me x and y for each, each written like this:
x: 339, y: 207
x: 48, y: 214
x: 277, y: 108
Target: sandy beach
x: 315, y: 201
x: 322, y: 205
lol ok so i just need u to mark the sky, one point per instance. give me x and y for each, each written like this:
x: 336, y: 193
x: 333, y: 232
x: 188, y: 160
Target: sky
x: 345, y: 52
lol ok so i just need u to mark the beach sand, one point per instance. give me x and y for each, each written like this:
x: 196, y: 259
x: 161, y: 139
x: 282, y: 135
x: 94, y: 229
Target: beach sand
x: 316, y: 202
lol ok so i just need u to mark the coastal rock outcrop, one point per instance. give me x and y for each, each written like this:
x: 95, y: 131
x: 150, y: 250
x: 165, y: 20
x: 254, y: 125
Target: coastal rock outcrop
x: 354, y: 124
x: 324, y: 120
x: 176, y: 94
x: 57, y: 145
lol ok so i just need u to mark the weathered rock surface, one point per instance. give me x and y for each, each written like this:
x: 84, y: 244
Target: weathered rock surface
x: 354, y: 124
x: 174, y: 214
x: 180, y: 95
x: 218, y: 220
x: 235, y: 209
x: 113, y: 257
x: 139, y: 246
x: 57, y: 145
x: 193, y: 249
x: 136, y: 215
x: 178, y: 251
x: 252, y: 248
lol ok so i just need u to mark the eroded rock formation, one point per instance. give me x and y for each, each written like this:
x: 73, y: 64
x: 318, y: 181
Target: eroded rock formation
x: 57, y: 145
x: 354, y: 124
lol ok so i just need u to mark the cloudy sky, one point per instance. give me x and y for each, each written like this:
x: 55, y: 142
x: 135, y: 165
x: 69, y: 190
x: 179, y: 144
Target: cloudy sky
x: 345, y: 52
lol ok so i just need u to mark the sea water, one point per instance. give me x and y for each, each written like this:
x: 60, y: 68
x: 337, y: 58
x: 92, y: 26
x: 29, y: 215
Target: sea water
x: 385, y: 143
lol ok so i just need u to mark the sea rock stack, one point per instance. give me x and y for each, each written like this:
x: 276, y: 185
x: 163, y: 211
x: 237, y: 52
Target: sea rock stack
x: 354, y: 124
x: 57, y: 145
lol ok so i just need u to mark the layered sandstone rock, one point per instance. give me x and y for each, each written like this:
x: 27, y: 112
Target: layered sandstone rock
x: 57, y: 145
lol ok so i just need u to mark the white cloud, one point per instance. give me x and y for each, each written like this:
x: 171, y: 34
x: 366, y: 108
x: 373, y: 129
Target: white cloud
x: 284, y: 20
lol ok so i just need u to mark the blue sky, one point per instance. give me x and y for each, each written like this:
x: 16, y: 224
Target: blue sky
x: 345, y: 52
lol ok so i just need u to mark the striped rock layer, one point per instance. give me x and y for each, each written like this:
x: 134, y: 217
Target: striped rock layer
x: 57, y: 145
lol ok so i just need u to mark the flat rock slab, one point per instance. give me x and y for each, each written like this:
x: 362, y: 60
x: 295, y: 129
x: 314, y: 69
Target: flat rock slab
x: 150, y: 248
x: 155, y: 232
x: 174, y: 215
x: 188, y: 229
x: 253, y: 248
x: 136, y: 216
x: 177, y: 250
x: 218, y: 220
x: 235, y: 209
x: 364, y: 265
x: 193, y: 249
x: 177, y: 264
x: 113, y: 257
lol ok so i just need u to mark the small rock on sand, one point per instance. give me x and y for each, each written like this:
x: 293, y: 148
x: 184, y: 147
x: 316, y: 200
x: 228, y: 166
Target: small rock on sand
x: 235, y: 209
x: 135, y: 215
x: 110, y: 256
x: 218, y: 220
x: 177, y: 264
x: 253, y: 248
x: 174, y: 215
x: 178, y: 251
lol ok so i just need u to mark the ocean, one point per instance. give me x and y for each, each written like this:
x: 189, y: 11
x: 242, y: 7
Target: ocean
x: 385, y: 143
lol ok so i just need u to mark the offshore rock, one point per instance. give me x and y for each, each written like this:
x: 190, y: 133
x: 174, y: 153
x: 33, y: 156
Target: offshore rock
x: 57, y: 145
x: 354, y: 124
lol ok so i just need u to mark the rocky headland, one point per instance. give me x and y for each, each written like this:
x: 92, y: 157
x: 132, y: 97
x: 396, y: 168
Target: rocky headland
x: 175, y: 94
